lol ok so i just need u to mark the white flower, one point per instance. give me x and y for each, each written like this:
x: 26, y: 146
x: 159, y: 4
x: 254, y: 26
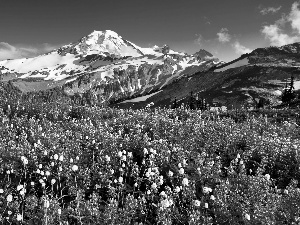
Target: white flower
x: 212, y: 197
x: 112, y: 171
x: 161, y: 181
x: 147, y: 174
x: 46, y: 204
x: 45, y: 152
x: 19, y: 217
x: 206, y: 190
x: 9, y: 198
x: 32, y: 183
x: 184, y: 162
x: 9, y: 212
x: 267, y: 176
x: 120, y: 179
x: 165, y: 203
x: 123, y: 158
x: 238, y: 156
x: 163, y: 193
x: 206, y: 205
x: 129, y: 154
x: 179, y: 165
x: 145, y: 151
x: 42, y: 173
x: 40, y: 166
x: 52, y: 163
x: 170, y: 173
x: 185, y: 182
x: 74, y: 168
x: 181, y: 171
x: 61, y: 158
x: 1, y: 191
x: 247, y: 216
x: 197, y: 203
x: 154, y: 186
x: 19, y: 187
x: 71, y: 160
x: 53, y: 181
x: 107, y: 158
x: 120, y: 154
x: 77, y: 158
x: 47, y: 173
x: 59, y: 211
x: 135, y: 185
x: 56, y: 157
x: 148, y: 192
x: 22, y: 192
x: 177, y: 189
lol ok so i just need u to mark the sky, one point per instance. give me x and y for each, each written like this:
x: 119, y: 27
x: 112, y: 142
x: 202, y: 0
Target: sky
x: 226, y: 28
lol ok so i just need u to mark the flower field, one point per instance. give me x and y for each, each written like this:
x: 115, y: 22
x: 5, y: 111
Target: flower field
x: 89, y: 165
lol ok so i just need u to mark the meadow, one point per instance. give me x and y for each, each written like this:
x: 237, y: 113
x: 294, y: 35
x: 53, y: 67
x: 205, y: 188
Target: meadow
x: 64, y: 164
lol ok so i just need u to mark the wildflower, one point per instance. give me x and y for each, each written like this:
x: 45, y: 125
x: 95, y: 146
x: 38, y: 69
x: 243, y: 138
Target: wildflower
x: 22, y: 192
x: 163, y: 193
x: 185, y: 182
x: 74, y: 168
x: 19, y: 217
x: 77, y: 158
x: 71, y: 160
x: 267, y: 176
x: 145, y: 151
x: 9, y: 198
x: 42, y: 173
x: 148, y: 192
x: 46, y: 204
x: 45, y: 152
x: 129, y: 154
x: 179, y: 165
x: 247, y: 216
x: 9, y: 212
x: 32, y: 183
x: 8, y: 171
x: 212, y: 197
x: 107, y: 158
x: 206, y: 205
x: 161, y: 181
x: 120, y: 179
x: 40, y: 166
x: 1, y: 191
x: 177, y: 189
x: 19, y: 187
x: 154, y: 186
x: 181, y: 171
x: 52, y: 163
x: 59, y: 211
x: 197, y: 203
x: 53, y: 181
x: 47, y: 173
x: 61, y: 158
x: 165, y: 203
x: 56, y: 157
x: 112, y: 171
x: 206, y: 190
x: 123, y: 158
x: 170, y: 173
x: 135, y: 185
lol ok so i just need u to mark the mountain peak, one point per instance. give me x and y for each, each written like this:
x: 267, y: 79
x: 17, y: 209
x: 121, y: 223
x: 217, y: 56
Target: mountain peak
x: 105, y: 42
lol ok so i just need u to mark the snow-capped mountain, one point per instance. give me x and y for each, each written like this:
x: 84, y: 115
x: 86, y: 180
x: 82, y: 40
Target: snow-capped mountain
x: 106, y: 64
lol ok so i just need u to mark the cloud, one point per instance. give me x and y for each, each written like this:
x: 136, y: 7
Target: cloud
x: 199, y: 40
x: 276, y: 34
x: 269, y: 10
x: 223, y: 35
x: 240, y: 49
x: 8, y: 51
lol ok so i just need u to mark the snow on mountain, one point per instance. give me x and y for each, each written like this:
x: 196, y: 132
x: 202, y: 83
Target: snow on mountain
x: 114, y: 66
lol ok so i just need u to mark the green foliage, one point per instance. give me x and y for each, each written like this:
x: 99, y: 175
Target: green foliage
x: 67, y: 164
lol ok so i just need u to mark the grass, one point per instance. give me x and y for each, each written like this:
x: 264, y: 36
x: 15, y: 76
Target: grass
x: 61, y: 164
